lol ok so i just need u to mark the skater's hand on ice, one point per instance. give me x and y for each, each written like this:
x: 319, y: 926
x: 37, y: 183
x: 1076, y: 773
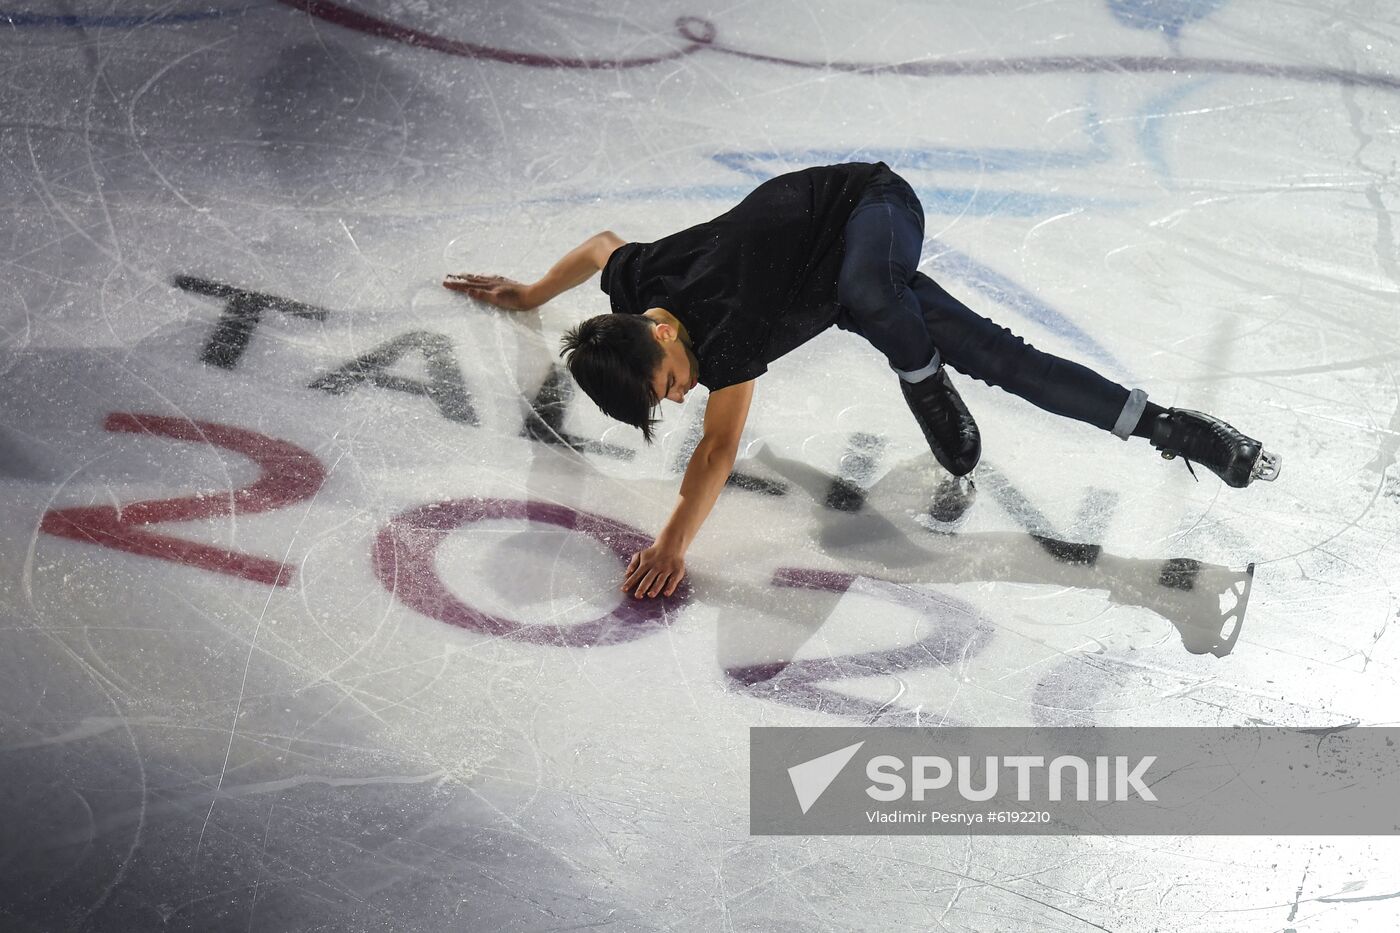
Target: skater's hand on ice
x: 655, y: 570
x: 493, y: 289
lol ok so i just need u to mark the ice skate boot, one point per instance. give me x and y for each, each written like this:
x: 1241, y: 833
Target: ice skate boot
x: 1193, y: 435
x: 948, y: 427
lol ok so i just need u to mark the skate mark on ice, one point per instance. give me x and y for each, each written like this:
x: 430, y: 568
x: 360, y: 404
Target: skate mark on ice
x: 25, y: 18
x: 699, y: 34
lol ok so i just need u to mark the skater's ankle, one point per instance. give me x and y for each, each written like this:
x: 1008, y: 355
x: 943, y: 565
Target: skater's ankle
x: 1149, y: 417
x: 934, y: 364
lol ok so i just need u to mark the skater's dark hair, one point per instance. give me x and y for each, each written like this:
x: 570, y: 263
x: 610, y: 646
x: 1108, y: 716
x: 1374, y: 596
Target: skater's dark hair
x: 612, y: 357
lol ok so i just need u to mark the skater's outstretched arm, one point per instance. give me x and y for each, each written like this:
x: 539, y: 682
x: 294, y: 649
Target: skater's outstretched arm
x: 577, y: 267
x: 661, y: 567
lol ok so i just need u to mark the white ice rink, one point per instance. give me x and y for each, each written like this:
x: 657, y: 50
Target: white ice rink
x: 309, y: 570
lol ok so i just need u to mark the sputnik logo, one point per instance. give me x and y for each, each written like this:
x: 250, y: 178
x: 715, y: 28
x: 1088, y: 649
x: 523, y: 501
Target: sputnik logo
x: 811, y: 778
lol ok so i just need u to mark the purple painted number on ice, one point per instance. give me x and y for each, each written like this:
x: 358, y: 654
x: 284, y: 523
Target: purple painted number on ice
x: 960, y: 633
x: 404, y: 562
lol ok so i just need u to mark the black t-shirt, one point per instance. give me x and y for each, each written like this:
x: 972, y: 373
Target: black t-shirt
x: 755, y: 282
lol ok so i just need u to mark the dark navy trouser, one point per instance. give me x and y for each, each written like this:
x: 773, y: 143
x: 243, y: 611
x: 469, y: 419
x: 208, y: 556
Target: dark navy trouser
x: 908, y: 317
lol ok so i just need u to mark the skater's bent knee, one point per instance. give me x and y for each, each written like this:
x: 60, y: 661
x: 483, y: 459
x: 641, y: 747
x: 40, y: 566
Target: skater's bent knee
x: 865, y: 298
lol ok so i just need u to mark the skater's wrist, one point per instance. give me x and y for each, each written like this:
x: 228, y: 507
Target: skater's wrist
x: 536, y: 294
x: 674, y: 540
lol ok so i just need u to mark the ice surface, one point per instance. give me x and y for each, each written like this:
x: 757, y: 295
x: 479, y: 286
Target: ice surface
x: 340, y: 708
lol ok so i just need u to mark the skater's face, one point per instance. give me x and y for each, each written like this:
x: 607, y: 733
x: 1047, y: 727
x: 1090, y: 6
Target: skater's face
x: 678, y: 371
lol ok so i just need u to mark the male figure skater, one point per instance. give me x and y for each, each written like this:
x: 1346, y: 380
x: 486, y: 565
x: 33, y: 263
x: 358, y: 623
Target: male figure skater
x: 716, y: 303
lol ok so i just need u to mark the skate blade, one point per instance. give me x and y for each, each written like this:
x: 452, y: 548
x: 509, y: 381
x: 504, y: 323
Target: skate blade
x: 1267, y: 467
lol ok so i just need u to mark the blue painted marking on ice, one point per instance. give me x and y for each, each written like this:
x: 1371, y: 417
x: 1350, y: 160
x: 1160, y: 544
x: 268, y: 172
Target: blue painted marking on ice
x: 761, y: 165
x: 955, y: 202
x: 982, y: 202
x: 949, y: 159
x: 134, y: 21
x: 1166, y: 16
x: 1152, y: 116
x: 944, y: 201
x: 954, y: 160
x: 999, y: 288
